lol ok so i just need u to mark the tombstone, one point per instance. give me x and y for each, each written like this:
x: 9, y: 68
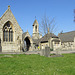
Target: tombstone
x: 45, y: 52
x: 42, y: 52
x: 0, y: 46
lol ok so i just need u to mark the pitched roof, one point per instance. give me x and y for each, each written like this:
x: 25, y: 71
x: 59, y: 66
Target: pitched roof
x: 35, y: 22
x: 5, y: 12
x: 8, y: 15
x: 36, y: 41
x: 46, y: 37
x: 67, y: 37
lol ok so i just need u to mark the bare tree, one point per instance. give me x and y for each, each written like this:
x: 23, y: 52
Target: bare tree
x: 46, y: 25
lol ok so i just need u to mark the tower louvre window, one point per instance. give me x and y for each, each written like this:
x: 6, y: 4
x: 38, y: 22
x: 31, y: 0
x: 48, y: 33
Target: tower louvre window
x: 36, y: 28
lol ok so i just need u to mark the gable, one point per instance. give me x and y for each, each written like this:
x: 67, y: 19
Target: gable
x: 26, y: 34
x: 8, y: 16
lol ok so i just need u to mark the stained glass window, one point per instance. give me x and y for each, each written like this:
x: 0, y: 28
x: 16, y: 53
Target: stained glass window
x: 7, y: 32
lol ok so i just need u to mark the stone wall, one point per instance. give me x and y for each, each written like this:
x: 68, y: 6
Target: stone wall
x: 67, y: 46
x: 17, y: 32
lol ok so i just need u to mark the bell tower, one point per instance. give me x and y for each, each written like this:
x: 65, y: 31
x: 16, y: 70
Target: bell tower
x: 35, y: 30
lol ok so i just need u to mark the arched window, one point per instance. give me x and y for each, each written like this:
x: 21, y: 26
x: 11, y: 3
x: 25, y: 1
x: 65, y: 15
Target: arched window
x: 36, y: 28
x: 7, y: 32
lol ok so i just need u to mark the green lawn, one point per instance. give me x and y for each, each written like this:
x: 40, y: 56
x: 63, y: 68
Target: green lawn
x: 37, y: 65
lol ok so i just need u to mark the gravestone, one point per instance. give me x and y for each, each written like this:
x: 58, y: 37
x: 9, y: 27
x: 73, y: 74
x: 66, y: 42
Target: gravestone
x: 42, y: 52
x: 45, y: 52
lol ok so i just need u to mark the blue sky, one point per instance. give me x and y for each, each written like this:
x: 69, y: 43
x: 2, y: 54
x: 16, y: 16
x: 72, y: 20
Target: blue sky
x: 26, y: 10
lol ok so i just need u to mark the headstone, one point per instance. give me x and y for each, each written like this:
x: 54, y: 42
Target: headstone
x: 45, y: 52
x: 42, y: 52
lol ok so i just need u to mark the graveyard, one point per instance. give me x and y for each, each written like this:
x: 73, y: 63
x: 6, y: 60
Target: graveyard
x: 34, y: 64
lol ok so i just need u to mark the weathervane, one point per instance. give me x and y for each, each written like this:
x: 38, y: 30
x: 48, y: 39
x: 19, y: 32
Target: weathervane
x: 35, y: 17
x: 74, y: 15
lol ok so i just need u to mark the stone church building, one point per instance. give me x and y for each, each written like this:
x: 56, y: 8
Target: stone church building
x: 10, y: 33
x: 12, y: 38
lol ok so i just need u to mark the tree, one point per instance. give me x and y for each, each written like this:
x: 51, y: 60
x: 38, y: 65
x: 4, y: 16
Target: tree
x: 47, y: 24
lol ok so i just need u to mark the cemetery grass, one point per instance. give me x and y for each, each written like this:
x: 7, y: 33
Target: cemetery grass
x: 37, y: 65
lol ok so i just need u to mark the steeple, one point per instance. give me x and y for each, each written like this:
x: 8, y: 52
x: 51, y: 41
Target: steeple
x: 35, y: 22
x: 35, y: 30
x: 35, y: 27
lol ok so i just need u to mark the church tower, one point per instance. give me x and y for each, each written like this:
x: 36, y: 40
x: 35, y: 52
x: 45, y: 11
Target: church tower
x: 35, y: 30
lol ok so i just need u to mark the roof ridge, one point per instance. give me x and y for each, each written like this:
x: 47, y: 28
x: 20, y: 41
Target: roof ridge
x: 67, y: 32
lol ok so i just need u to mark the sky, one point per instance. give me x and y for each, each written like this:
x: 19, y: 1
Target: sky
x: 26, y: 10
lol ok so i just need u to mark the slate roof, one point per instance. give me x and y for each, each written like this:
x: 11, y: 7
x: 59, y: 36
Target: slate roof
x: 36, y: 41
x: 46, y: 37
x: 67, y: 37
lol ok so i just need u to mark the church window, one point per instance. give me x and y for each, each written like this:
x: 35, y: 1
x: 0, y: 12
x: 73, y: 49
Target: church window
x: 56, y: 42
x: 11, y: 35
x: 7, y: 32
x: 6, y: 35
x: 46, y: 45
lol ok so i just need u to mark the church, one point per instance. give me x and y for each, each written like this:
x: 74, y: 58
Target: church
x: 10, y: 33
x: 12, y: 38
